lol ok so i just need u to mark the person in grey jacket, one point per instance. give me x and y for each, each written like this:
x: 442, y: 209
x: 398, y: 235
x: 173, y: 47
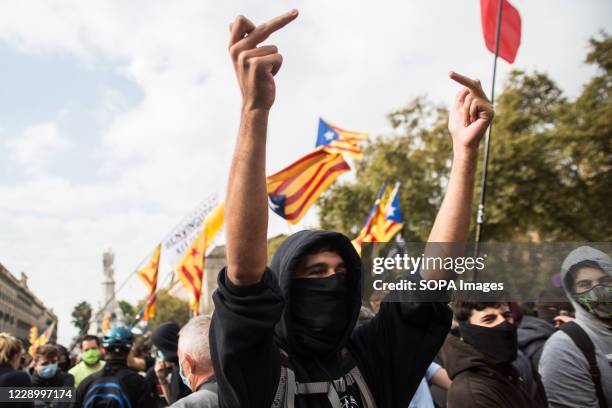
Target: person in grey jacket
x: 587, y: 280
x: 195, y: 365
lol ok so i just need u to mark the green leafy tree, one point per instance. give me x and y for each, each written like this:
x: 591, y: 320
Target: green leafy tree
x: 127, y: 309
x: 169, y: 308
x: 549, y: 175
x: 417, y: 155
x: 81, y: 316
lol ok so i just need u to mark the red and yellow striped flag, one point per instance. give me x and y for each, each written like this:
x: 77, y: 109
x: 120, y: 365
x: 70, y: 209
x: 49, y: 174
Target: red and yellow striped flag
x: 385, y: 219
x: 294, y: 189
x: 40, y: 340
x: 191, y: 267
x: 46, y: 335
x: 339, y: 140
x: 148, y: 276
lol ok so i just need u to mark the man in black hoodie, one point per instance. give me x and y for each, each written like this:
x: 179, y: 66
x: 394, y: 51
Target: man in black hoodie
x: 300, y: 312
x: 479, y: 361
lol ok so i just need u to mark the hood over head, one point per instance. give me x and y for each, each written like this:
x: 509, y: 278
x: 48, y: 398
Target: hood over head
x: 583, y: 253
x: 602, y: 331
x: 533, y: 329
x: 286, y: 259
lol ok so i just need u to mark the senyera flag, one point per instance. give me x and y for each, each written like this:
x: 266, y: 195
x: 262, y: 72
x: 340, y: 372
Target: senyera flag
x: 339, y: 140
x: 294, y: 189
x: 510, y: 30
x: 148, y: 275
x: 384, y: 220
x: 191, y: 267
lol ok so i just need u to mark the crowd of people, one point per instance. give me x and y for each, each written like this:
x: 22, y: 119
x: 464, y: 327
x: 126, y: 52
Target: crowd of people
x: 171, y: 368
x: 548, y: 354
x: 295, y: 332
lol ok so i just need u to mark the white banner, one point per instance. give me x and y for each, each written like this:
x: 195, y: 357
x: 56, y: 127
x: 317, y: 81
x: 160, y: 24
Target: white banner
x: 183, y: 235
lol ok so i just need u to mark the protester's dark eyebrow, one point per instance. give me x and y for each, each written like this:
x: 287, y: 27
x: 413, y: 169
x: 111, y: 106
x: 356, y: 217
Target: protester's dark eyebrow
x: 324, y: 265
x: 316, y: 266
x: 489, y: 318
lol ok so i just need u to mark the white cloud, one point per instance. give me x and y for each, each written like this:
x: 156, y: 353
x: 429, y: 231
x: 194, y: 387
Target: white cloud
x: 35, y: 147
x: 349, y: 62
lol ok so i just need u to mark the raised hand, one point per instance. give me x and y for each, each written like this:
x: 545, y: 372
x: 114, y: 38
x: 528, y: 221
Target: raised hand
x: 256, y: 66
x: 471, y: 113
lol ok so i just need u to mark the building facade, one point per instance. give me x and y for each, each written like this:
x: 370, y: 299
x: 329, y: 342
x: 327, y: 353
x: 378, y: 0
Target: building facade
x: 20, y: 309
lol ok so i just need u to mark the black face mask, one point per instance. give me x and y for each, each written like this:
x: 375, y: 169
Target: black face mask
x: 320, y: 310
x: 498, y: 344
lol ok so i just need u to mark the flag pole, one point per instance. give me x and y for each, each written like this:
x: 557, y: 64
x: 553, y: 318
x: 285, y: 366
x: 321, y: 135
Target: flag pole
x: 483, y: 181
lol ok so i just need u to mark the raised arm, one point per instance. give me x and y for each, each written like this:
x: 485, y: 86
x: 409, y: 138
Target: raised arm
x: 246, y: 202
x: 469, y: 118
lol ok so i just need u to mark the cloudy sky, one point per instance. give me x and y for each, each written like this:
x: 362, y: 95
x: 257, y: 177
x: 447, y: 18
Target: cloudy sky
x: 116, y: 118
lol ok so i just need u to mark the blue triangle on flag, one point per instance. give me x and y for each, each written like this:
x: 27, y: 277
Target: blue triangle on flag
x: 326, y: 134
x: 277, y: 204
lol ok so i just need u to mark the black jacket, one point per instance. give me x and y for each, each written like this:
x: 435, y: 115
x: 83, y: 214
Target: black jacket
x: 251, y: 323
x: 478, y: 384
x: 9, y: 377
x: 60, y: 379
x: 178, y: 390
x: 135, y: 385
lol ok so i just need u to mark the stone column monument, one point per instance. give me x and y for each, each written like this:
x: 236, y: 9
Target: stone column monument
x: 109, y: 305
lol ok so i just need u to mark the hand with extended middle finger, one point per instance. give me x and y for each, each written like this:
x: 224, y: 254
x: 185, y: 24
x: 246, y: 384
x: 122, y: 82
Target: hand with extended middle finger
x: 470, y: 114
x: 255, y: 65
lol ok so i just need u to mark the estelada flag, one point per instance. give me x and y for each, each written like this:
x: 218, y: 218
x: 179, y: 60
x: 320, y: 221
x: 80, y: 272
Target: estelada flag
x: 294, y: 189
x: 191, y: 267
x: 42, y: 339
x: 510, y: 30
x: 365, y: 235
x: 148, y: 276
x: 384, y: 220
x: 390, y: 220
x: 46, y: 335
x: 339, y: 140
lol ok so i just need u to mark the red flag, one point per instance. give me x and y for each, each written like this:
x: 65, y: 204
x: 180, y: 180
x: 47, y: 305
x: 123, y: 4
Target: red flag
x: 510, y: 34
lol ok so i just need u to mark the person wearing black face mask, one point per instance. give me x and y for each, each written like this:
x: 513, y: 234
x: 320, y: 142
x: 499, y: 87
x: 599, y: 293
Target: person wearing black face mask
x: 321, y: 311
x: 479, y: 360
x: 284, y: 334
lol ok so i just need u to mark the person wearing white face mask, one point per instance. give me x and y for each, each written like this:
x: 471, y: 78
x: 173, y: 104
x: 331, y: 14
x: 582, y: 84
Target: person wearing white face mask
x: 195, y: 364
x: 48, y: 374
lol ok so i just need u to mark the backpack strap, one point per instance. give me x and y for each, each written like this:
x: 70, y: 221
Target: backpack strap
x: 366, y: 395
x: 584, y: 343
x: 289, y: 387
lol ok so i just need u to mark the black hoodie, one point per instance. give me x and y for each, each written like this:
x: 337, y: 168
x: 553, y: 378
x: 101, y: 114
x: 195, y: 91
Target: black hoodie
x: 252, y: 322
